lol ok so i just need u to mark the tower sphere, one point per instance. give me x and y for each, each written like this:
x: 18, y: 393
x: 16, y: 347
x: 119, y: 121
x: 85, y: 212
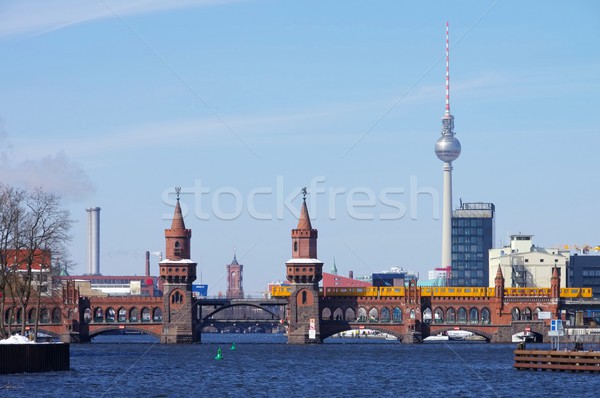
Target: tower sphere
x: 447, y: 148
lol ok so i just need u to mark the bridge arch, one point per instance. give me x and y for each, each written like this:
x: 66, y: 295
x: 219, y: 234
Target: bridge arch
x: 373, y: 315
x: 516, y: 314
x: 146, y: 314
x: 485, y: 316
x: 450, y: 315
x: 240, y: 304
x: 110, y: 314
x: 461, y: 315
x: 31, y: 316
x: 361, y: 315
x: 56, y: 315
x: 343, y: 327
x: 98, y: 315
x: 350, y: 314
x: 111, y: 328
x: 134, y: 314
x: 338, y: 314
x: 157, y: 314
x: 438, y: 315
x: 122, y: 315
x: 427, y: 315
x: 55, y: 336
x: 44, y: 315
x: 210, y: 329
x: 475, y: 330
x: 385, y: 316
x: 397, y: 315
x: 474, y: 315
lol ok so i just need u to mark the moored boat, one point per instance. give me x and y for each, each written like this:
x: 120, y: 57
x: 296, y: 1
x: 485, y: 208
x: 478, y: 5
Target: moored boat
x: 459, y: 335
x: 526, y: 337
x: 440, y: 337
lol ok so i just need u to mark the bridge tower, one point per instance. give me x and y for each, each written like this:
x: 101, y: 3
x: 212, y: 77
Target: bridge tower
x: 498, y: 295
x: 555, y: 283
x: 304, y: 271
x: 177, y: 272
x: 235, y: 288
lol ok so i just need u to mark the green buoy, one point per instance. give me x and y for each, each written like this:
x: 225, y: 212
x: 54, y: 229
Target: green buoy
x: 219, y: 355
x: 233, y: 347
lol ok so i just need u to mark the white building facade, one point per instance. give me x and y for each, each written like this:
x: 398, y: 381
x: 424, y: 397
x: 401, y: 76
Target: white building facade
x: 525, y: 265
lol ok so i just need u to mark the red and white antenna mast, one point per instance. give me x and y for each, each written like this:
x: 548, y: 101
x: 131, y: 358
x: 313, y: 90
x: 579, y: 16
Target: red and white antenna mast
x: 447, y: 72
x: 448, y: 119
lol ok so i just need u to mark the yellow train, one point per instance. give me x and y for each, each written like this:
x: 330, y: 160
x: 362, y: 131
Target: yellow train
x: 280, y: 291
x: 570, y: 292
x: 576, y: 292
x: 526, y: 291
x: 400, y: 291
x: 456, y: 292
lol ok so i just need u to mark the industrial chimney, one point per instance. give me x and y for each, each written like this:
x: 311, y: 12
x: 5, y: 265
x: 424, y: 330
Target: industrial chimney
x: 147, y: 263
x: 93, y: 240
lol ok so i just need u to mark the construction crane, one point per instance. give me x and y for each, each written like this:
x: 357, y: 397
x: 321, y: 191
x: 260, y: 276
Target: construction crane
x: 582, y: 248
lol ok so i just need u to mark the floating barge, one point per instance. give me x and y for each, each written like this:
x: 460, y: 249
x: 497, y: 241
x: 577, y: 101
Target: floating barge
x: 562, y: 361
x: 571, y: 357
x: 31, y: 358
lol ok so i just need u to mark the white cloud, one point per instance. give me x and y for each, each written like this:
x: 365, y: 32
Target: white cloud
x: 53, y: 173
x: 41, y: 16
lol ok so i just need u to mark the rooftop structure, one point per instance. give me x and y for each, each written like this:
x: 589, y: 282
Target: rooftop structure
x: 334, y: 280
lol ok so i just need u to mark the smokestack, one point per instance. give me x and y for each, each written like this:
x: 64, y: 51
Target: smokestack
x: 147, y: 263
x: 351, y: 274
x: 93, y: 240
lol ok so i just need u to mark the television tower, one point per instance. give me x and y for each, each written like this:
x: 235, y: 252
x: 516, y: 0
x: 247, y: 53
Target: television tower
x: 447, y: 149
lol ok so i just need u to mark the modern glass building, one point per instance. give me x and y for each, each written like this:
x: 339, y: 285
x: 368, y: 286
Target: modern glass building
x: 584, y: 271
x: 473, y: 226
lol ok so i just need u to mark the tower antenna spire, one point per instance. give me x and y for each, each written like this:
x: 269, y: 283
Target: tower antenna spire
x: 447, y: 72
x: 448, y: 119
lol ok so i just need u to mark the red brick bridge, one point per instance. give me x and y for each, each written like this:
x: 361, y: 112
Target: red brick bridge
x: 310, y: 314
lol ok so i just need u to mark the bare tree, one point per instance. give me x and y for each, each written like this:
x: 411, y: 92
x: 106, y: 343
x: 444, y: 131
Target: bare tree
x: 43, y: 232
x: 11, y: 201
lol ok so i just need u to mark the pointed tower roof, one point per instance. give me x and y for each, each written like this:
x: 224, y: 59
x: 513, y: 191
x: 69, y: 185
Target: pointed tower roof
x: 555, y: 272
x: 304, y: 220
x: 177, y: 224
x: 499, y: 273
x: 334, y: 270
x: 234, y: 262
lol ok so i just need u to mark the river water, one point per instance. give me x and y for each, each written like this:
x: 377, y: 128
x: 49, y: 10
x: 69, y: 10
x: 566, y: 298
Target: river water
x: 265, y: 366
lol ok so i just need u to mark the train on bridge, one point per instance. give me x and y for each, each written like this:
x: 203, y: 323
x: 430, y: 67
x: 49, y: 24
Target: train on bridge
x: 399, y: 291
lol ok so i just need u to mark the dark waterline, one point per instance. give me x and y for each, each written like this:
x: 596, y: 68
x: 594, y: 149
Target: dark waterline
x: 263, y: 365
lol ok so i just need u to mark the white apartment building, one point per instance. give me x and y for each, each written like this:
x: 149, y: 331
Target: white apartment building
x: 525, y: 265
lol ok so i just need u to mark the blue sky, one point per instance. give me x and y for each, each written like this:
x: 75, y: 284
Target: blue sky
x: 241, y: 103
